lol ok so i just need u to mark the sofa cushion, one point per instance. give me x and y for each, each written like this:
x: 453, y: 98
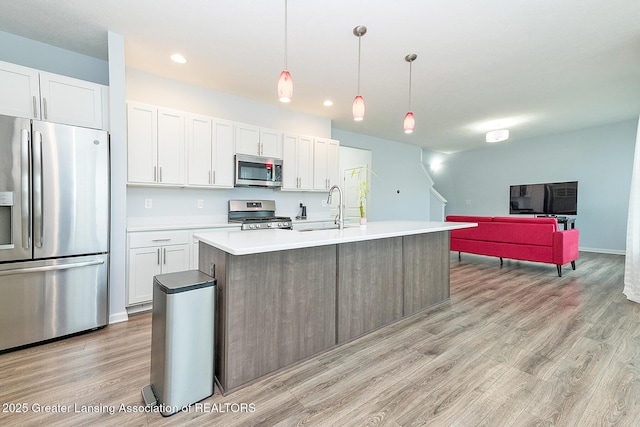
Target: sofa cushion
x: 469, y: 218
x: 503, y: 232
x: 527, y: 220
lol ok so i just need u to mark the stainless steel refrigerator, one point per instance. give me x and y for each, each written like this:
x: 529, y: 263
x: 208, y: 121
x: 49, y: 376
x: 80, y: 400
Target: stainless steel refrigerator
x: 54, y: 230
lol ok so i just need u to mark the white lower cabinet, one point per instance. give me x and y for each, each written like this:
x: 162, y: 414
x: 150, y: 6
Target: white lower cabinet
x: 152, y: 253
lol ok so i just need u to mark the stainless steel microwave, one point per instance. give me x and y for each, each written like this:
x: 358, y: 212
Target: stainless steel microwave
x: 254, y: 171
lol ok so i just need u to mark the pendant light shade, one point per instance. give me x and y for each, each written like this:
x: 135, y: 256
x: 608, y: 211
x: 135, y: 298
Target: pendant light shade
x: 358, y: 102
x: 409, y: 123
x: 285, y: 82
x: 358, y: 108
x: 285, y: 86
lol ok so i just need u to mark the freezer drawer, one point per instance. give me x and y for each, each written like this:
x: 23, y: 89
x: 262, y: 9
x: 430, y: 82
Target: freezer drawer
x: 40, y: 300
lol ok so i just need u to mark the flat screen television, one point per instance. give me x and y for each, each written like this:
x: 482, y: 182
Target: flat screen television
x: 556, y: 198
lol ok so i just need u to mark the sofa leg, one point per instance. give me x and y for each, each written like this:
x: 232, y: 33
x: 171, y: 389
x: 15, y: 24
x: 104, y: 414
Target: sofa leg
x: 500, y: 260
x: 559, y: 267
x: 573, y: 265
x: 459, y: 257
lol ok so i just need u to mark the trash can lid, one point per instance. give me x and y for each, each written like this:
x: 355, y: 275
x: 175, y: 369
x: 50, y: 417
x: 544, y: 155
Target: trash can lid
x: 183, y: 281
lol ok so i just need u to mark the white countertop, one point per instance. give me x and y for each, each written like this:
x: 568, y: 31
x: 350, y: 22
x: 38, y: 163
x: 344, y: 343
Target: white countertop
x: 260, y: 241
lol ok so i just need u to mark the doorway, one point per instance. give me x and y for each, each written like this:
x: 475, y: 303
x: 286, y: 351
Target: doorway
x: 353, y: 160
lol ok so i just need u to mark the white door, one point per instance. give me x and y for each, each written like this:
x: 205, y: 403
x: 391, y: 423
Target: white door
x: 142, y: 143
x: 71, y: 101
x: 200, y: 152
x: 144, y: 263
x: 19, y: 91
x: 351, y: 185
x: 352, y: 159
x: 171, y: 147
x: 175, y: 258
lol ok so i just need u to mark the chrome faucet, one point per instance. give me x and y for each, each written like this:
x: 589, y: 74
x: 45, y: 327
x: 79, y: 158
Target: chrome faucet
x: 339, y: 221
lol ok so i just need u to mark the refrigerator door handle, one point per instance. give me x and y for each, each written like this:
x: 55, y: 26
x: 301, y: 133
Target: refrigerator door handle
x: 38, y: 223
x: 25, y: 209
x: 50, y: 267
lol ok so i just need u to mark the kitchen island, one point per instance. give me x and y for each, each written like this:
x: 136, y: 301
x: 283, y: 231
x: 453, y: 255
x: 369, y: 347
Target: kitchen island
x: 286, y: 295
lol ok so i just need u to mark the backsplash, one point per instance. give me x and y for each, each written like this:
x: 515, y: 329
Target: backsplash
x: 174, y: 203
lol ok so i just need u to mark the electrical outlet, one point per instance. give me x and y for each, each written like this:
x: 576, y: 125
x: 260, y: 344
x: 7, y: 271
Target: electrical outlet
x: 148, y: 204
x: 324, y: 203
x: 200, y: 203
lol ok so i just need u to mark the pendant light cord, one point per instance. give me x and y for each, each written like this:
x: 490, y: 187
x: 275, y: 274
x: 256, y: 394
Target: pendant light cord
x: 410, y: 69
x: 285, y: 34
x: 359, y: 53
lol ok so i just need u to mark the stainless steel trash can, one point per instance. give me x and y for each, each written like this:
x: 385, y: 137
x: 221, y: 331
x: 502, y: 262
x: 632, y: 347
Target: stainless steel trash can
x: 182, y: 340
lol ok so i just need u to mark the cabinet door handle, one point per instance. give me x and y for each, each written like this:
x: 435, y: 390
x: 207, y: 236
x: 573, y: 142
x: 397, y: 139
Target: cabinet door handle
x: 164, y: 256
x: 209, y: 179
x: 167, y: 239
x: 158, y: 252
x: 258, y: 148
x: 213, y: 181
x: 160, y: 173
x: 155, y: 174
x: 35, y: 108
x: 44, y: 104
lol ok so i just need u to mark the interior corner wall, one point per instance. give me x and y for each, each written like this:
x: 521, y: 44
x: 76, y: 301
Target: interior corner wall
x: 600, y: 158
x: 41, y: 56
x: 399, y: 188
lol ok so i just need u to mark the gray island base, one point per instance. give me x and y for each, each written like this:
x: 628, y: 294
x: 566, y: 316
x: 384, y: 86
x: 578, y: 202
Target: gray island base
x: 284, y: 295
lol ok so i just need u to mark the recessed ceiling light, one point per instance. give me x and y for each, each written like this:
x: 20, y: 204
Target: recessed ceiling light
x: 176, y: 57
x: 327, y: 103
x: 498, y: 135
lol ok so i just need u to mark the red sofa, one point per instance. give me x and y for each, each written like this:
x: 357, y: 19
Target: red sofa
x: 528, y: 239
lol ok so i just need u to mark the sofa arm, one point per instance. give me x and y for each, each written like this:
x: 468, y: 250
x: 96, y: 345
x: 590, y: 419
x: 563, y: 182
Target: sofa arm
x: 565, y: 246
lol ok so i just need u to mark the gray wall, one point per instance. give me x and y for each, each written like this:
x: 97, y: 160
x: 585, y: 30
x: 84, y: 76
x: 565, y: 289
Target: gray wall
x: 400, y: 188
x: 599, y: 158
x: 33, y: 54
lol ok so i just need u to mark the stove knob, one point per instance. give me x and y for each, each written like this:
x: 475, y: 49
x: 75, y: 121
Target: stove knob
x: 279, y: 224
x: 269, y: 225
x: 252, y: 226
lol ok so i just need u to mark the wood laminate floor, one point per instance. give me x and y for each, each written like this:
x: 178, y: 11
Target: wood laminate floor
x: 516, y: 346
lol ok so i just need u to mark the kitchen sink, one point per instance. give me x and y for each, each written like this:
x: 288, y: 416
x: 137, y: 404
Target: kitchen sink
x: 323, y: 227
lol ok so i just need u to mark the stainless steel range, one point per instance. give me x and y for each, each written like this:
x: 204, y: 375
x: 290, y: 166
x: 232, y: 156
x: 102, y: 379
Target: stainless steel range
x: 257, y: 215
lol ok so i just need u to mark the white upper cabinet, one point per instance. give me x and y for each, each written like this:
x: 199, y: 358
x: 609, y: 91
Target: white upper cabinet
x: 326, y: 170
x: 257, y: 141
x: 210, y: 143
x: 270, y: 143
x: 171, y: 162
x: 155, y: 145
x: 19, y: 91
x: 142, y: 143
x: 71, y: 101
x: 297, y: 162
x: 26, y: 92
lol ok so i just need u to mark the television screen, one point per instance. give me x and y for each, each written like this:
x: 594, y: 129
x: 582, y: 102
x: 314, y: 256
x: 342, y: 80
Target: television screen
x: 557, y: 198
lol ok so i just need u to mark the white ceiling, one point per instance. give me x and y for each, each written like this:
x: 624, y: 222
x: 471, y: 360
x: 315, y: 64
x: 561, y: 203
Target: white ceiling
x: 548, y: 65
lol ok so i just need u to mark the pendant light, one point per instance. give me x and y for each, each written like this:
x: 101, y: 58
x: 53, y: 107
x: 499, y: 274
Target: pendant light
x: 358, y: 102
x: 285, y: 83
x: 409, y: 119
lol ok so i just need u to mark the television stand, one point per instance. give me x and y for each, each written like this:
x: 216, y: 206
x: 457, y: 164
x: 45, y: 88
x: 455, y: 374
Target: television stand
x: 564, y: 220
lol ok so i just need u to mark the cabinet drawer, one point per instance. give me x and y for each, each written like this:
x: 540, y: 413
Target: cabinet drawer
x: 158, y: 238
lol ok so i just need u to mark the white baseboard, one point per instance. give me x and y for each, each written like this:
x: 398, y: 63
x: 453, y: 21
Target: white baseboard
x: 603, y: 251
x: 139, y: 308
x: 118, y: 317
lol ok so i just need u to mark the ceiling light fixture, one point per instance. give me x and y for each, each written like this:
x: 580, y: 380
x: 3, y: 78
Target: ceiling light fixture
x: 285, y: 83
x: 409, y: 120
x: 358, y: 102
x: 497, y: 135
x: 327, y: 103
x: 176, y: 57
